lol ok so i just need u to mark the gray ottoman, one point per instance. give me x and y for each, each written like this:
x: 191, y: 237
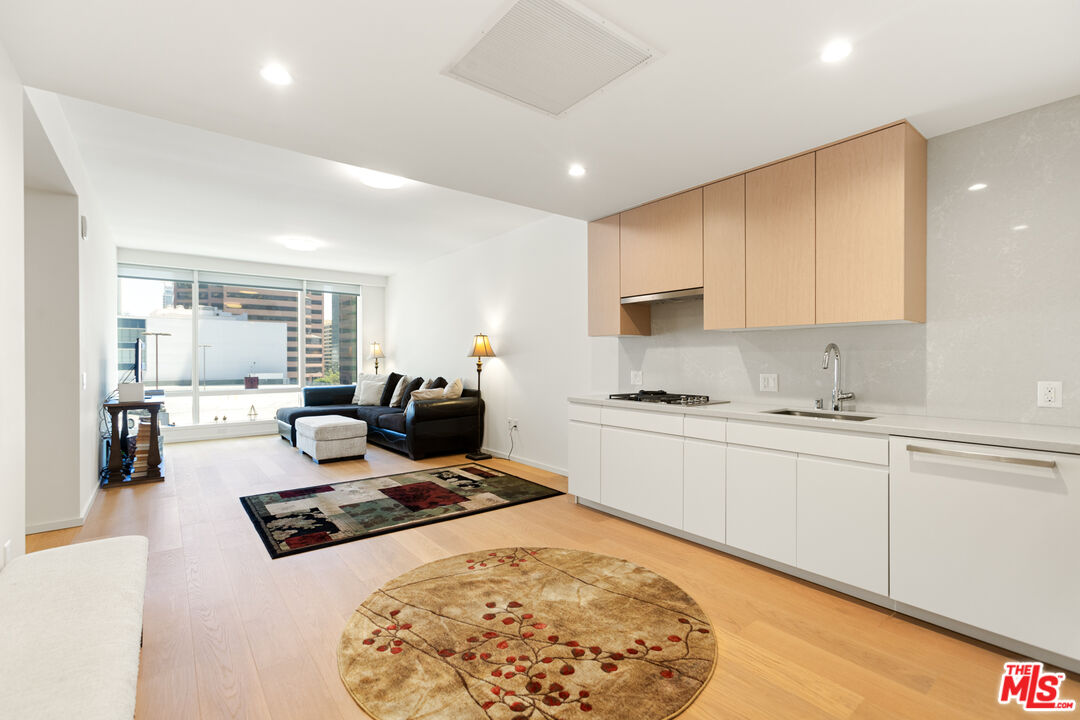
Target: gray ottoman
x: 331, y: 437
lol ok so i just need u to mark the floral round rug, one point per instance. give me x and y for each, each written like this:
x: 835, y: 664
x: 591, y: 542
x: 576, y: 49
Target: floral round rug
x: 538, y: 633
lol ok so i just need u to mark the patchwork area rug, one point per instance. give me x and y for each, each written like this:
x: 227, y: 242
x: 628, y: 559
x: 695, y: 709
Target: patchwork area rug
x: 532, y: 633
x: 293, y: 521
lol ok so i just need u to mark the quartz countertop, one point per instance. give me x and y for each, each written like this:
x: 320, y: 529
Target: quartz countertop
x: 1050, y: 438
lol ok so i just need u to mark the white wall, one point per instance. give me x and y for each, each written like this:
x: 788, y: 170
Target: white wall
x: 52, y: 359
x: 95, y: 307
x: 527, y: 290
x: 1002, y: 305
x: 12, y: 323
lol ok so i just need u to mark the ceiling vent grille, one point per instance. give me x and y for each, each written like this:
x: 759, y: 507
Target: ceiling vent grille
x: 549, y: 55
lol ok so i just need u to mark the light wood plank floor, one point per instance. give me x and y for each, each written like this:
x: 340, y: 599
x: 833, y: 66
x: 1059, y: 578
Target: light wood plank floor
x: 230, y: 633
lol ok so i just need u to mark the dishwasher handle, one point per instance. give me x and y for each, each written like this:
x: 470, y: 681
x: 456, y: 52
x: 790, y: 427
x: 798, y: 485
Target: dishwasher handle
x: 1031, y: 462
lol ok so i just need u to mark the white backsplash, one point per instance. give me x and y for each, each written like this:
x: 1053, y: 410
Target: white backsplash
x: 1003, y: 305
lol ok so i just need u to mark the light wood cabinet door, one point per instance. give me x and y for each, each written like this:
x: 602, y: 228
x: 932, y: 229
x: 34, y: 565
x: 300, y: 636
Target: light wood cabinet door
x: 606, y: 315
x: 871, y: 228
x: 780, y: 244
x: 660, y: 245
x: 724, y: 253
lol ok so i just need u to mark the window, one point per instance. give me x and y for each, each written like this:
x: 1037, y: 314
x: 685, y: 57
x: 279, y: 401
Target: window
x: 238, y: 348
x: 331, y: 338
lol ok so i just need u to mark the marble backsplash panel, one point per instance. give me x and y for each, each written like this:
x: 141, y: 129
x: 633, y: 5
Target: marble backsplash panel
x: 1003, y: 297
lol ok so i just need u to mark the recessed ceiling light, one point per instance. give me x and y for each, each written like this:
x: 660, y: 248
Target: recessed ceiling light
x: 301, y: 243
x: 1020, y: 227
x: 576, y: 170
x: 836, y: 51
x: 977, y: 186
x: 276, y: 73
x: 376, y: 179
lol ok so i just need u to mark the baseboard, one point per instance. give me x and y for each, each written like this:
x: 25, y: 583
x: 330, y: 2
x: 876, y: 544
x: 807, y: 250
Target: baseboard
x: 90, y: 503
x: 54, y: 525
x: 527, y: 461
x: 219, y: 431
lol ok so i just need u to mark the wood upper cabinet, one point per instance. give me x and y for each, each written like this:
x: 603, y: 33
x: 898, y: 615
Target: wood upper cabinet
x: 606, y: 315
x: 871, y: 228
x: 780, y: 244
x: 660, y: 245
x: 724, y: 254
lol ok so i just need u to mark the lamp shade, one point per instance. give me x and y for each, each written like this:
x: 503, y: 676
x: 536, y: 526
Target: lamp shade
x: 376, y: 350
x: 481, y: 347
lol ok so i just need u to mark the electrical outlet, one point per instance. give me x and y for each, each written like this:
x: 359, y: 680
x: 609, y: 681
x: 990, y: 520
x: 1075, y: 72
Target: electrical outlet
x: 1049, y: 394
x: 512, y: 424
x: 769, y: 382
x: 635, y: 378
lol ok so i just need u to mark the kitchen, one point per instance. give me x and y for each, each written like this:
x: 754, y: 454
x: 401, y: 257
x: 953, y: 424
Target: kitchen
x: 948, y: 487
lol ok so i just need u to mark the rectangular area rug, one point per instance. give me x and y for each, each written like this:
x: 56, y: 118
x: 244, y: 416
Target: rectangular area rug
x: 294, y: 521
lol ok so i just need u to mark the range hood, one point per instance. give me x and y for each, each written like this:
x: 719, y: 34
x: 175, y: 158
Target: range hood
x: 664, y: 297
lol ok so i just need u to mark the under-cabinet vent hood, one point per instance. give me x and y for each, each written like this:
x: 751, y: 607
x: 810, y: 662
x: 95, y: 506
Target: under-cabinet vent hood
x: 665, y: 297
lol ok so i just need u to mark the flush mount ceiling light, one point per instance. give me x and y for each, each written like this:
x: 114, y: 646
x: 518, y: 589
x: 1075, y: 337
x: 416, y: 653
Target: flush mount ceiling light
x: 576, y: 170
x: 376, y: 179
x: 276, y: 74
x: 1020, y: 227
x: 836, y: 51
x: 301, y: 243
x: 977, y: 186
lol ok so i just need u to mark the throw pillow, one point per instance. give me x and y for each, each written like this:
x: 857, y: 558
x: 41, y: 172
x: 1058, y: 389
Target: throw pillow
x: 439, y: 382
x: 369, y: 392
x: 406, y: 395
x: 399, y: 391
x: 381, y: 379
x: 428, y: 394
x: 427, y: 384
x: 453, y: 390
x: 388, y: 390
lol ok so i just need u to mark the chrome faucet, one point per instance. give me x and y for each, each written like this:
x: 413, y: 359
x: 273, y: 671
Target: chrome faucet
x: 838, y: 396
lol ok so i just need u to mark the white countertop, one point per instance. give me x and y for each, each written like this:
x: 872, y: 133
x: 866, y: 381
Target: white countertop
x: 1051, y: 438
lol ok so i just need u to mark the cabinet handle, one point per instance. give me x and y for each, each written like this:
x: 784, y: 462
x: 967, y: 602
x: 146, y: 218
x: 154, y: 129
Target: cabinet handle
x: 1032, y: 462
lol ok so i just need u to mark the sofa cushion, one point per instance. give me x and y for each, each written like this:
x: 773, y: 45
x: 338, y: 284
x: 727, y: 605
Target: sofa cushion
x: 392, y: 381
x: 371, y: 413
x: 406, y: 396
x: 330, y: 427
x: 290, y: 414
x: 394, y: 422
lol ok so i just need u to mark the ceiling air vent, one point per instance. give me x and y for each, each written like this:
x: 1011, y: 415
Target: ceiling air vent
x: 549, y: 55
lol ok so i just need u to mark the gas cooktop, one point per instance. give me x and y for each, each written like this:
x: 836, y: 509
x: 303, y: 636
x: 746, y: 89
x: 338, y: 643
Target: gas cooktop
x: 665, y: 398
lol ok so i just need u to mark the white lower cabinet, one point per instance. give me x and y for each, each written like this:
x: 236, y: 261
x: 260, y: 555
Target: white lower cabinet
x: 704, y: 489
x: 642, y: 473
x: 842, y: 522
x: 986, y: 541
x: 760, y: 503
x: 583, y: 460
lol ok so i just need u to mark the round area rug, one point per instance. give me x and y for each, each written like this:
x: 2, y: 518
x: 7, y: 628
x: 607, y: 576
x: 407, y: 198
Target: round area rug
x: 527, y: 633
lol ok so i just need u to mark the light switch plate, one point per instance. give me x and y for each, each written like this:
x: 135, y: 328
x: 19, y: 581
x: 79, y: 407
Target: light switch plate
x: 768, y: 382
x: 635, y: 378
x: 1049, y: 394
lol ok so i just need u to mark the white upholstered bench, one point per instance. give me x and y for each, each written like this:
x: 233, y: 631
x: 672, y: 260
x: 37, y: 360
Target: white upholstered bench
x: 71, y: 631
x: 331, y: 437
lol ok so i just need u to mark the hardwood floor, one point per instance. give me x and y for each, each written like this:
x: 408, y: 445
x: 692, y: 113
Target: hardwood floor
x: 230, y: 633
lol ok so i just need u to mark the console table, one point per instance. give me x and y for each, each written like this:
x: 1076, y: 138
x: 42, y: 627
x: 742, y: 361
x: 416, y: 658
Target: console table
x: 118, y: 417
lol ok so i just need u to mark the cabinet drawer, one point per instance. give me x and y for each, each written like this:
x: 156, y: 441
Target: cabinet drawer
x: 825, y: 443
x: 705, y: 428
x: 584, y: 413
x: 659, y: 422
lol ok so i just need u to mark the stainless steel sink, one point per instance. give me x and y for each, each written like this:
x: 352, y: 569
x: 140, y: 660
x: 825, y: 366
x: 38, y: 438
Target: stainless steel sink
x: 822, y: 414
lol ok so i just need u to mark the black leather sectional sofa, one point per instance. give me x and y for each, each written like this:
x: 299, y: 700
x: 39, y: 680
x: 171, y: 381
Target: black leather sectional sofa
x: 428, y: 427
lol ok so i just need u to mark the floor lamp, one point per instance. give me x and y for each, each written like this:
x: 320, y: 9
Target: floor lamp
x: 481, y: 349
x: 376, y: 352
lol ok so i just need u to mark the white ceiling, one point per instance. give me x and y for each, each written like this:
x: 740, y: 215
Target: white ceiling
x: 737, y: 83
x: 170, y: 187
